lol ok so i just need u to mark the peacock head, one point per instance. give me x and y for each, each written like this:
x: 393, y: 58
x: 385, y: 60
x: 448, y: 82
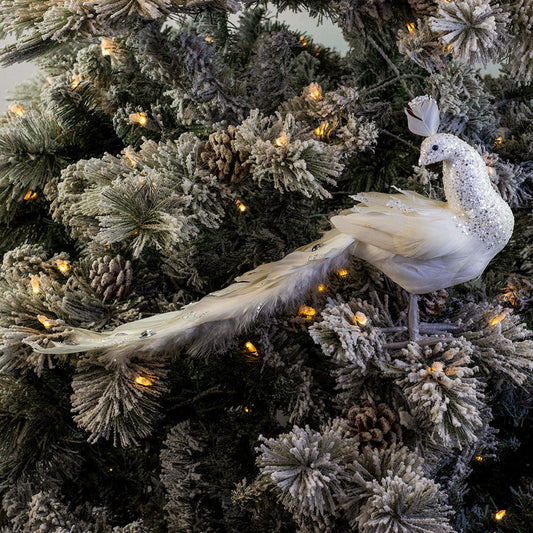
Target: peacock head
x: 438, y: 147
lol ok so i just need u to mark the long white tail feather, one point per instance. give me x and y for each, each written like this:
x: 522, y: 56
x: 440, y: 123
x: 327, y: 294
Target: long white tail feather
x: 226, y: 312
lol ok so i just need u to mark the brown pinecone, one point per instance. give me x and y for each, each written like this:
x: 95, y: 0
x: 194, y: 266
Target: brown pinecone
x: 111, y: 278
x: 223, y: 160
x: 374, y: 426
x: 432, y: 303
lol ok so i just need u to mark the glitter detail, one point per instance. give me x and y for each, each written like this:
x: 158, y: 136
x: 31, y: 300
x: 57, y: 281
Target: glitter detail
x: 481, y: 211
x: 313, y: 256
x: 193, y: 315
x: 259, y: 307
x: 317, y: 246
x: 399, y: 205
x: 146, y: 333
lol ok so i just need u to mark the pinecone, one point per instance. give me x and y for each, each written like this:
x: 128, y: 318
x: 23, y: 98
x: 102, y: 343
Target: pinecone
x: 374, y: 426
x: 111, y: 278
x: 430, y: 304
x: 223, y: 160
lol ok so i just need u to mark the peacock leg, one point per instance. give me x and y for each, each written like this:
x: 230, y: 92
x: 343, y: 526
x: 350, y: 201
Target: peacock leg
x: 413, y: 319
x: 415, y: 328
x: 436, y: 328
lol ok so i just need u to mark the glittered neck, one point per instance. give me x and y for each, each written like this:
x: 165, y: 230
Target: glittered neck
x: 480, y: 210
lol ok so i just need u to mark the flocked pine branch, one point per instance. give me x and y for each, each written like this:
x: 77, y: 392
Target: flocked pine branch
x: 42, y: 293
x: 334, y: 116
x: 158, y: 196
x: 33, y: 149
x: 347, y: 335
x: 42, y: 27
x: 521, y: 60
x: 37, y: 433
x: 476, y: 29
x: 422, y: 46
x: 289, y: 162
x: 181, y: 475
x: 32, y: 305
x: 396, y: 494
x: 308, y: 469
x: 502, y: 342
x: 465, y: 105
x: 443, y: 391
x: 115, y: 9
x: 44, y: 511
x: 116, y: 398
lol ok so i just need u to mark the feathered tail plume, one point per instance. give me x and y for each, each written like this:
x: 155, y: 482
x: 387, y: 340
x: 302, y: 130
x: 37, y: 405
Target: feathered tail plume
x: 423, y: 116
x: 224, y: 313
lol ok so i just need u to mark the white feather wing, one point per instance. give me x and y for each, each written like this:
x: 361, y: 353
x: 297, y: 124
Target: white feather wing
x: 405, y: 224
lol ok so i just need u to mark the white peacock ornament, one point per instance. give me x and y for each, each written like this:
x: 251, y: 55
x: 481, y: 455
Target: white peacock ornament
x: 423, y: 245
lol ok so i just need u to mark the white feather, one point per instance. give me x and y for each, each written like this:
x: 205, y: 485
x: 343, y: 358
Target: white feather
x: 423, y: 116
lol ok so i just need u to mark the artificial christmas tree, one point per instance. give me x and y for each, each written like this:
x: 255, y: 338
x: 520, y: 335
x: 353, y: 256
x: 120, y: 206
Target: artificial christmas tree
x: 164, y: 152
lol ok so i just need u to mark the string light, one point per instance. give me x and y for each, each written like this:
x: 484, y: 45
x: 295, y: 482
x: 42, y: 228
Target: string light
x: 35, y: 283
x: 437, y: 366
x: 303, y: 41
x: 107, y: 46
x: 30, y: 195
x: 342, y: 273
x: 111, y: 470
x: 448, y: 49
x: 411, y: 27
x: 498, y: 142
x: 17, y: 109
x: 498, y: 318
x: 307, y: 312
x: 246, y: 409
x: 141, y: 380
x: 63, y: 266
x: 210, y: 39
x: 500, y: 514
x: 46, y: 322
x: 128, y: 154
x: 282, y: 140
x: 360, y: 319
x: 240, y: 206
x: 139, y: 118
x: 315, y: 91
x: 510, y: 297
x: 321, y: 287
x: 324, y: 130
x: 76, y: 80
x: 479, y: 458
x: 252, y: 349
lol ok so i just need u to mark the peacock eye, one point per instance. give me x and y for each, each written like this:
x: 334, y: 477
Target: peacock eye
x: 435, y: 147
